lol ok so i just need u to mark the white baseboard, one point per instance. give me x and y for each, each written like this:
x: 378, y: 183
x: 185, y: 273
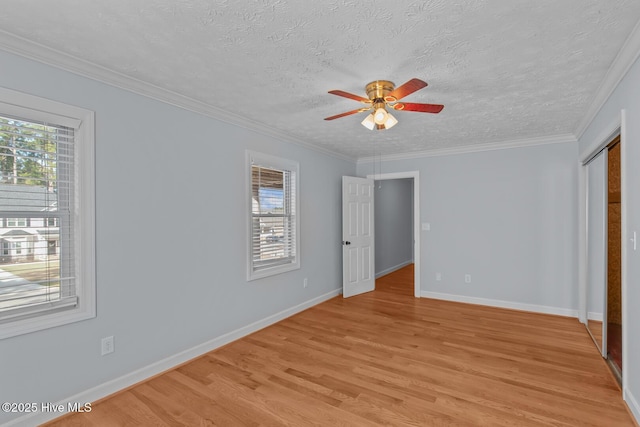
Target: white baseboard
x: 632, y: 403
x: 594, y: 316
x: 558, y: 311
x: 117, y: 384
x: 392, y: 269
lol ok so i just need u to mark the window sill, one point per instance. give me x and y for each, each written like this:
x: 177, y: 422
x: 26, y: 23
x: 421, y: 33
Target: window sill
x: 267, y: 272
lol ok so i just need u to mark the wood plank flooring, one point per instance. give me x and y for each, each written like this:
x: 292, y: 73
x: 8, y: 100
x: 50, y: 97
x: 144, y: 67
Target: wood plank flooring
x: 384, y: 358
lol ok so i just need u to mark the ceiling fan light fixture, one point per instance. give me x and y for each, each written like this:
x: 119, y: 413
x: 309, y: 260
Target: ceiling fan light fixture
x: 390, y: 122
x: 369, y: 122
x: 380, y: 116
x: 380, y: 119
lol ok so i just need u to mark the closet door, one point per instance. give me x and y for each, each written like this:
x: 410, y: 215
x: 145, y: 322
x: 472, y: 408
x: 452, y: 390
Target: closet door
x: 597, y: 249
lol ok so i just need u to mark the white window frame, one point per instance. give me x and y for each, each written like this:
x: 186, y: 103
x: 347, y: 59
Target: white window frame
x: 268, y: 161
x: 29, y: 107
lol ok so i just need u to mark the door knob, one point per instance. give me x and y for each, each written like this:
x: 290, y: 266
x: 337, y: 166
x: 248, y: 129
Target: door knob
x: 346, y: 243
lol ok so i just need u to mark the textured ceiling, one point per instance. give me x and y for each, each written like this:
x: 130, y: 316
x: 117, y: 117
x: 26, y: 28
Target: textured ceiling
x: 504, y: 69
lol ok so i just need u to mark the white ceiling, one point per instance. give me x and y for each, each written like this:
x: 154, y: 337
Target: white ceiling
x: 506, y: 70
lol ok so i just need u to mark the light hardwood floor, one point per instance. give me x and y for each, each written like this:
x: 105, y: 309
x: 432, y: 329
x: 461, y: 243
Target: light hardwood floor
x: 384, y: 358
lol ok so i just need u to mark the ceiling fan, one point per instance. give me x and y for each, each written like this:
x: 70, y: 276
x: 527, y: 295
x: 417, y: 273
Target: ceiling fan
x: 382, y: 94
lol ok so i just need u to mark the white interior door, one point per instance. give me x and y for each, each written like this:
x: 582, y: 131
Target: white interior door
x: 358, y: 255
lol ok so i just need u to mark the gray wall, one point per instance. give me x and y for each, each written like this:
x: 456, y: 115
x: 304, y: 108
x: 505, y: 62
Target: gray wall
x: 393, y: 224
x: 167, y: 180
x: 506, y: 217
x: 626, y: 96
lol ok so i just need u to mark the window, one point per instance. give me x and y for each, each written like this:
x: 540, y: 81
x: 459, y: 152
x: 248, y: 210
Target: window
x: 16, y: 222
x: 46, y: 213
x: 273, y: 215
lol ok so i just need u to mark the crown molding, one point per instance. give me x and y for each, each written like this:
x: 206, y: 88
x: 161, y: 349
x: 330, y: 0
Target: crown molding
x: 55, y: 58
x: 624, y: 60
x: 477, y: 148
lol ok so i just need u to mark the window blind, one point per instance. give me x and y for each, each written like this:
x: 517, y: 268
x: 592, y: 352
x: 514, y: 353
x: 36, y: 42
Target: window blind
x: 36, y: 217
x: 273, y: 229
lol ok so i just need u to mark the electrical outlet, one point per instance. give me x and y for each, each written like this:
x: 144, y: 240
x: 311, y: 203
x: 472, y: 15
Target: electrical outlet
x: 438, y: 277
x: 107, y: 345
x: 467, y: 278
x: 305, y: 282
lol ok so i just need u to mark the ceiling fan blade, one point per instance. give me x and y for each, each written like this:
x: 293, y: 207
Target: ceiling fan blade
x: 348, y: 113
x: 350, y: 96
x: 421, y: 108
x: 404, y: 90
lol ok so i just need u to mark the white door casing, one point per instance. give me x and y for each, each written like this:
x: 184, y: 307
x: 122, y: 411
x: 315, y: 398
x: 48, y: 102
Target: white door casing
x: 358, y: 254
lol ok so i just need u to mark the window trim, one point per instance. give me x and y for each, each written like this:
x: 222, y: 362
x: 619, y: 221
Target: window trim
x: 255, y: 158
x: 30, y: 107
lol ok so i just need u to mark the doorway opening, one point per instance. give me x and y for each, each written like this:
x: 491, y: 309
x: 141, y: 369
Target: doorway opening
x: 397, y: 249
